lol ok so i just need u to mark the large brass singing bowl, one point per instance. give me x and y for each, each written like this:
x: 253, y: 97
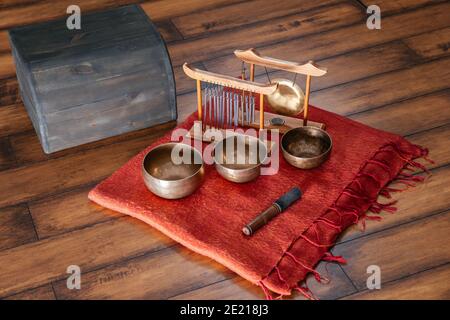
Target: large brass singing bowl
x: 288, y: 99
x: 238, y: 158
x: 306, y: 147
x: 173, y: 170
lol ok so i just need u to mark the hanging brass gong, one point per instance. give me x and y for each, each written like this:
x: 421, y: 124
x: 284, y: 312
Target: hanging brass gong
x: 287, y: 99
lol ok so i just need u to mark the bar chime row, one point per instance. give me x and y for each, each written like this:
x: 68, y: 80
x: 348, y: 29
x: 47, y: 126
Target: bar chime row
x: 227, y: 102
x: 223, y: 108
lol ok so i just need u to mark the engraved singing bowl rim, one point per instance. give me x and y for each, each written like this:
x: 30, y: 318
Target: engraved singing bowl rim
x: 249, y: 166
x: 307, y: 162
x: 294, y: 87
x: 171, y: 145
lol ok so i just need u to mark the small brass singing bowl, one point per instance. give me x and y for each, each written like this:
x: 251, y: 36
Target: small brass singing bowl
x: 306, y: 147
x: 239, y: 158
x: 173, y: 170
x: 288, y: 99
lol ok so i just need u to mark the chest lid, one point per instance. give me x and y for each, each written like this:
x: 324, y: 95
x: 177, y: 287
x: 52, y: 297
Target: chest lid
x: 53, y: 39
x: 115, y: 52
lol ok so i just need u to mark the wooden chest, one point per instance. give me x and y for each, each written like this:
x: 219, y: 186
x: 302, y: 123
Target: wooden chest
x: 112, y: 76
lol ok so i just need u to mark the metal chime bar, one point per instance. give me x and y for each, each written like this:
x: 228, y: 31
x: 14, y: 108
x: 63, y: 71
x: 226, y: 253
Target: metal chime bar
x: 199, y: 99
x: 224, y: 107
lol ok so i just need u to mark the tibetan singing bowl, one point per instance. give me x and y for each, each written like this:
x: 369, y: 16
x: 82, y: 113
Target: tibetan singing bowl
x: 287, y: 99
x: 238, y: 158
x: 306, y: 147
x: 173, y: 170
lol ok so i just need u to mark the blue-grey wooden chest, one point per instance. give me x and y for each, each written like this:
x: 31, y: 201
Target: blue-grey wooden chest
x: 112, y: 76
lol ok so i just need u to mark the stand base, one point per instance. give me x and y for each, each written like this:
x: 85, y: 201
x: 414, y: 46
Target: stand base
x: 288, y: 123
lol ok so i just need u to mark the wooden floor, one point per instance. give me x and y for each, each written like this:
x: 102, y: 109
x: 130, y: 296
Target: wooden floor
x: 396, y: 79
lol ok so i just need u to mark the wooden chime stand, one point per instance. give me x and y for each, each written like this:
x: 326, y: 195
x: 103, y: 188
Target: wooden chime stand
x: 310, y: 69
x: 247, y: 90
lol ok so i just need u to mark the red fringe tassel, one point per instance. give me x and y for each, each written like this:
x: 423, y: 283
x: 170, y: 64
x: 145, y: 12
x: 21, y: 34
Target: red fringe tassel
x: 376, y: 207
x: 317, y: 276
x: 306, y: 292
x: 328, y: 256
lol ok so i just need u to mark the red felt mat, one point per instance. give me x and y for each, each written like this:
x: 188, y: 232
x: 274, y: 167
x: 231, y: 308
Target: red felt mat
x: 338, y: 193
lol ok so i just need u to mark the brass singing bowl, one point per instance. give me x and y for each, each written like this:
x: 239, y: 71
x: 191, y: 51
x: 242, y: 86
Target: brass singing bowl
x: 306, y: 147
x: 173, y: 170
x: 238, y: 158
x: 288, y: 99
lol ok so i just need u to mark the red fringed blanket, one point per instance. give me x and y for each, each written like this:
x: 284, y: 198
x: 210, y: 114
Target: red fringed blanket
x: 335, y: 195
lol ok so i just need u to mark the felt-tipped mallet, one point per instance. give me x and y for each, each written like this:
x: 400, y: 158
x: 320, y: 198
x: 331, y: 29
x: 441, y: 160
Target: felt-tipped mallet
x: 276, y: 208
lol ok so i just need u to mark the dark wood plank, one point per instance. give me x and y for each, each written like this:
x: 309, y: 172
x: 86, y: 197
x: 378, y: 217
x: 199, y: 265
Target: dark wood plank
x: 9, y: 92
x: 384, y: 89
x: 435, y: 140
x: 14, y: 119
x: 417, y: 111
x: 144, y: 278
x: 431, y: 44
x: 342, y: 40
x: 389, y: 6
x: 57, y: 175
x: 27, y: 148
x: 66, y: 212
x: 165, y: 9
x: 49, y: 10
x: 237, y: 288
x: 422, y: 243
x: 16, y: 227
x: 38, y: 263
x: 168, y: 31
x: 4, y: 42
x: 7, y: 68
x: 14, y: 3
x: 279, y: 29
x: 40, y: 293
x: 427, y: 285
x: 7, y: 159
x: 353, y: 65
x: 241, y: 14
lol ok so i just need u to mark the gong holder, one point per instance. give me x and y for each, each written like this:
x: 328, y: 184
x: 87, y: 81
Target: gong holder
x: 310, y: 69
